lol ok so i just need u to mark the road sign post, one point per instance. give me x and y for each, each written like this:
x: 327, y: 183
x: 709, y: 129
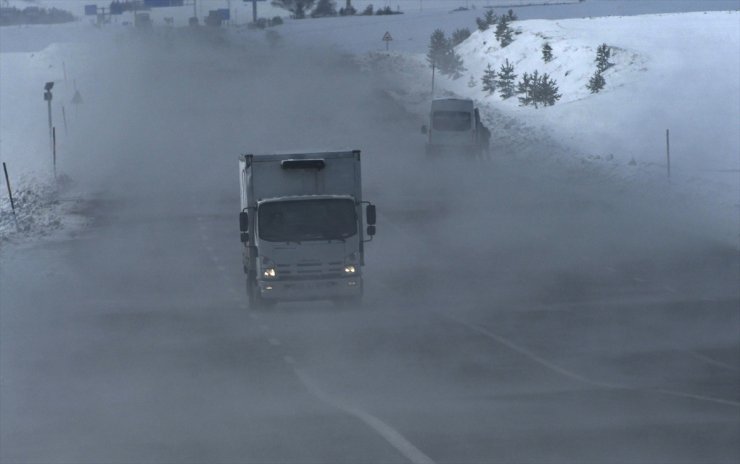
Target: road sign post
x: 387, y: 39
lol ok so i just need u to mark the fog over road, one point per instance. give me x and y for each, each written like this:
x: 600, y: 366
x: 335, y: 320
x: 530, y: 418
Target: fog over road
x: 517, y: 310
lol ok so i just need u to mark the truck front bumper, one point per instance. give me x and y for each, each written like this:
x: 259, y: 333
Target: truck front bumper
x: 317, y: 289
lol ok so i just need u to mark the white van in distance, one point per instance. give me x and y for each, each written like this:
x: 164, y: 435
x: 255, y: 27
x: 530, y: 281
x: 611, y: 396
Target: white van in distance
x: 455, y: 127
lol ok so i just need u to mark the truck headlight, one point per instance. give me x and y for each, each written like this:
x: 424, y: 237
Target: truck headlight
x: 350, y: 269
x: 269, y: 269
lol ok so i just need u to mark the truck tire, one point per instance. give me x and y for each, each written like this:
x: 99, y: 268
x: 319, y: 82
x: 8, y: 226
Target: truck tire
x: 253, y: 295
x: 351, y: 302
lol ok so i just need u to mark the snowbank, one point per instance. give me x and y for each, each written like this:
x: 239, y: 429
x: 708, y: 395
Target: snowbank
x: 41, y: 210
x: 677, y: 72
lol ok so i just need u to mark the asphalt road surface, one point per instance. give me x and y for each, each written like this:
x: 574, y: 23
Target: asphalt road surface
x: 517, y: 309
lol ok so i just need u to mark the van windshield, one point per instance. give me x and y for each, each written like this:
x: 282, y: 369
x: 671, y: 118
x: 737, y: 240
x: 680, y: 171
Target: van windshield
x: 451, y: 120
x: 304, y: 220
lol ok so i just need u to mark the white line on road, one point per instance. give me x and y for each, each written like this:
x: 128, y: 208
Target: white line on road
x: 555, y: 368
x: 712, y: 361
x: 512, y: 346
x: 391, y: 435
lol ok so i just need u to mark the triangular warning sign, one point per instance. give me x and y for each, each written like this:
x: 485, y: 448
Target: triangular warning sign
x: 387, y: 37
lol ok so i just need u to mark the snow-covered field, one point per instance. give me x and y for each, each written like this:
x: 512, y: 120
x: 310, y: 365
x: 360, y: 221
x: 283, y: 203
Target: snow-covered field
x: 676, y: 71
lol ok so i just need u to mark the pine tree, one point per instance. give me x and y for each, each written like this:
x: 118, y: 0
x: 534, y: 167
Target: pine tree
x: 459, y: 36
x: 438, y: 46
x: 452, y: 64
x: 503, y: 33
x: 297, y: 7
x: 546, y: 91
x: 507, y: 38
x: 442, y: 56
x: 489, y: 80
x: 490, y: 18
x: 482, y: 24
x: 536, y: 89
x: 546, y: 53
x: 472, y: 82
x: 511, y: 16
x: 501, y: 26
x: 603, y: 53
x: 324, y: 8
x: 596, y: 83
x: 506, y: 78
x: 525, y: 88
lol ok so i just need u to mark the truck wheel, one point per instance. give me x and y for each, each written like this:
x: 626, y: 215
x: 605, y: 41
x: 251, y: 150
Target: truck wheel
x: 253, y: 295
x: 351, y: 302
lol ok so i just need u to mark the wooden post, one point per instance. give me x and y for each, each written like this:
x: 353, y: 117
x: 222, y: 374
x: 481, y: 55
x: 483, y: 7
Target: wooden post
x: 49, y: 111
x: 433, y: 79
x: 54, y: 151
x: 10, y: 194
x: 668, y: 151
x: 64, y: 117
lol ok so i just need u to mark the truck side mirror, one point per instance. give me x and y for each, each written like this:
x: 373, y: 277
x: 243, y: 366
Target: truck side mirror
x: 244, y: 226
x: 370, y: 231
x: 370, y: 214
x: 244, y: 221
x: 424, y: 129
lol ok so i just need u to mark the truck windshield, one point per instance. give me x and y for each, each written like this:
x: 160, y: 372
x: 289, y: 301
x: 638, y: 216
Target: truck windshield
x: 451, y: 120
x: 302, y: 220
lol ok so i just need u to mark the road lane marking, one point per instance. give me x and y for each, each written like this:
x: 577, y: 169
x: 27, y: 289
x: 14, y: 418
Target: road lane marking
x: 555, y: 368
x: 709, y: 360
x: 391, y: 435
x: 572, y: 375
x: 523, y: 351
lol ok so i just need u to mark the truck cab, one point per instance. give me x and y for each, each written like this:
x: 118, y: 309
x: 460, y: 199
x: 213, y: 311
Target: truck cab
x: 303, y: 226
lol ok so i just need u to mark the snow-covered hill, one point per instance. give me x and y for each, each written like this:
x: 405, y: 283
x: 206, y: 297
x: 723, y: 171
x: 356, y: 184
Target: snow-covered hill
x: 675, y: 72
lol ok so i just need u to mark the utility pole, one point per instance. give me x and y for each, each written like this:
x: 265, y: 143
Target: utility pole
x: 433, y: 79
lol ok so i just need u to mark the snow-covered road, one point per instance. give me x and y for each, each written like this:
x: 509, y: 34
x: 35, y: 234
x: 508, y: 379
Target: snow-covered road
x: 518, y: 310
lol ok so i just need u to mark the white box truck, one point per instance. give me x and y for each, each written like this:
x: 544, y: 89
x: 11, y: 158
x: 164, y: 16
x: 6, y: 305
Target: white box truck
x: 455, y: 127
x: 302, y: 224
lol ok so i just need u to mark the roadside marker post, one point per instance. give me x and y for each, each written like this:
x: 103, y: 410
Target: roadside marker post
x: 668, y: 152
x: 10, y: 194
x: 64, y: 118
x: 54, y: 151
x: 387, y: 39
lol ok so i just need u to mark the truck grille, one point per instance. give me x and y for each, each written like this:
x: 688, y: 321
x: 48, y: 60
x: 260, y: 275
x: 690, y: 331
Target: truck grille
x: 309, y: 270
